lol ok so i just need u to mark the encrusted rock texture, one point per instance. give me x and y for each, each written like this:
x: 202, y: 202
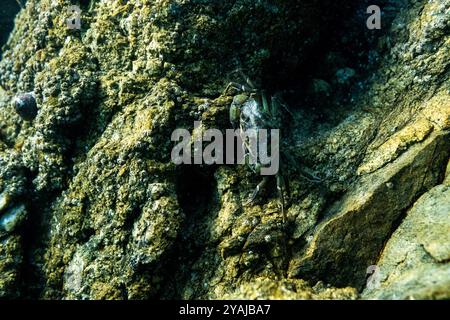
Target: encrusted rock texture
x: 91, y: 206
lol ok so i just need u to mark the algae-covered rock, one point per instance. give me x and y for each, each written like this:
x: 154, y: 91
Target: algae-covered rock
x: 92, y: 207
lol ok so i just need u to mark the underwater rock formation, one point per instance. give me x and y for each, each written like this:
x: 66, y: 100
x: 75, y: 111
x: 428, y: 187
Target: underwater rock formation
x: 91, y: 206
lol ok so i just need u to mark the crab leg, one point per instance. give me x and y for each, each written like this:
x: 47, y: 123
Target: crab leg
x: 258, y: 188
x: 247, y: 79
x: 276, y: 103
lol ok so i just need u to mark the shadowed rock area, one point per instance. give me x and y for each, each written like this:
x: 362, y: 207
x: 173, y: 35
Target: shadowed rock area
x: 91, y: 206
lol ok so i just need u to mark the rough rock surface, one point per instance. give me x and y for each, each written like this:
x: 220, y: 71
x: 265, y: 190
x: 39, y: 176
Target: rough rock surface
x: 91, y: 206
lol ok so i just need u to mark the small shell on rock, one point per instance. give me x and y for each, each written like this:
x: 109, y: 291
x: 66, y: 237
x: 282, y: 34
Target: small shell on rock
x: 25, y: 105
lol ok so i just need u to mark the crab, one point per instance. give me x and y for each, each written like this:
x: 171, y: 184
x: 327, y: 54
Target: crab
x: 251, y: 109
